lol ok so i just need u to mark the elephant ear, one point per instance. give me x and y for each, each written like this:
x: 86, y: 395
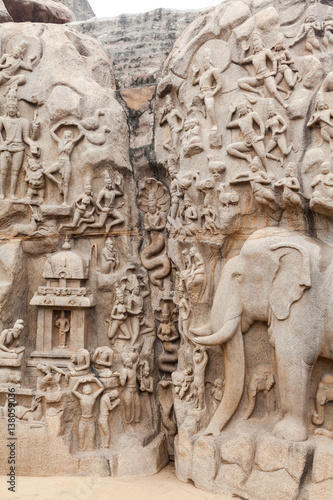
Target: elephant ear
x: 292, y: 277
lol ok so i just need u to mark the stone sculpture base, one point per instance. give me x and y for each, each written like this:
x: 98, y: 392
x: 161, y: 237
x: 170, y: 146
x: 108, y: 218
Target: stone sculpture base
x: 52, y: 456
x: 251, y: 464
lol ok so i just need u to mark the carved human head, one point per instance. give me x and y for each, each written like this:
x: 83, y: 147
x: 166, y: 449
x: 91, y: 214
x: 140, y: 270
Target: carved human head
x: 145, y: 368
x: 11, y: 105
x: 280, y: 42
x: 320, y: 102
x: 87, y: 389
x: 88, y: 189
x: 290, y: 170
x: 34, y: 164
x: 68, y: 135
x: 129, y: 359
x: 311, y: 17
x: 119, y: 295
x: 172, y: 165
x: 325, y: 168
x: 192, y: 251
x: 198, y: 354
x: 329, y: 14
x: 18, y: 327
x: 113, y: 395
x: 109, y: 243
x: 255, y: 165
x: 219, y: 383
x: 243, y: 108
x: 19, y: 50
x: 257, y: 43
x: 271, y: 109
x: 168, y: 103
x: 151, y: 202
x: 216, y: 168
x: 178, y: 377
x: 207, y: 60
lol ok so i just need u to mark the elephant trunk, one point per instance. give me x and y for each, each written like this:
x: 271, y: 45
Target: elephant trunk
x: 234, y: 363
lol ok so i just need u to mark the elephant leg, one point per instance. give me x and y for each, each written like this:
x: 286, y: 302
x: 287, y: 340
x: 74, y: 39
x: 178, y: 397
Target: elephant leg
x: 252, y: 401
x: 293, y: 377
x: 318, y: 416
x: 270, y: 401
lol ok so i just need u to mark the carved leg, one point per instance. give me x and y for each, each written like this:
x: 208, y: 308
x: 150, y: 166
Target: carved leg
x: 82, y: 434
x: 293, y: 376
x: 104, y: 431
x: 17, y: 160
x: 5, y: 163
x: 238, y: 149
x: 252, y: 392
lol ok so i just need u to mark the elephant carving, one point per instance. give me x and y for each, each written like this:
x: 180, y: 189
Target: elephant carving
x: 284, y: 279
x: 262, y: 380
x: 324, y: 395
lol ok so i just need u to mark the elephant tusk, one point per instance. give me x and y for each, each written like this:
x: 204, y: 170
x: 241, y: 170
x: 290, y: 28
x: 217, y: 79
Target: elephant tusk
x: 202, y: 330
x: 221, y: 336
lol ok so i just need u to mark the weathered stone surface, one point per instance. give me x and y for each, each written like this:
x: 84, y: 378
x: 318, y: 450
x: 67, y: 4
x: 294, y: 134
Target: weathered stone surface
x: 38, y: 11
x: 138, y: 44
x: 229, y: 480
x: 204, y: 462
x: 323, y: 461
x: 320, y: 490
x: 273, y: 454
x: 239, y: 450
x: 80, y: 8
x: 277, y: 485
x: 220, y: 237
x: 4, y: 16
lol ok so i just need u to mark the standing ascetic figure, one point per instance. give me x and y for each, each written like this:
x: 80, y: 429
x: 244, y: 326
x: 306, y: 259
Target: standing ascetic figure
x: 209, y: 82
x: 14, y: 134
x: 66, y: 144
x: 174, y: 119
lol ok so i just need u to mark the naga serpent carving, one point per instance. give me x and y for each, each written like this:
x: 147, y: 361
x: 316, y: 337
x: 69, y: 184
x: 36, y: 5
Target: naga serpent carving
x: 154, y: 200
x: 169, y: 336
x: 167, y: 361
x: 154, y: 260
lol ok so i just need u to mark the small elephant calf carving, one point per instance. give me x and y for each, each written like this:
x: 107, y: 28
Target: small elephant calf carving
x: 261, y: 380
x: 324, y: 395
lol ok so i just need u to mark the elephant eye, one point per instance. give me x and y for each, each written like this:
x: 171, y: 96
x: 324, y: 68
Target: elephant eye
x: 236, y: 275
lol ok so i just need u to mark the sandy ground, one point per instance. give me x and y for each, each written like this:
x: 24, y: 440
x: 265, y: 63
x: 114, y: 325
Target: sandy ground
x: 162, y: 486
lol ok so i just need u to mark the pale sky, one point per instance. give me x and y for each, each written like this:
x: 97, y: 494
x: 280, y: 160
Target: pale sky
x: 112, y: 8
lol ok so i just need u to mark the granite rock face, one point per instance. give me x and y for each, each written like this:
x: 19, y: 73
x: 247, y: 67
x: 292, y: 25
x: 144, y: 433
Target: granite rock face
x: 4, y: 15
x: 168, y: 231
x: 138, y: 44
x: 81, y: 9
x: 38, y: 11
x: 243, y: 131
x: 80, y: 364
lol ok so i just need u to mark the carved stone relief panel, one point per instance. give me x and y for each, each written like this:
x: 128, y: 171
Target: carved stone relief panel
x: 247, y: 157
x: 81, y: 358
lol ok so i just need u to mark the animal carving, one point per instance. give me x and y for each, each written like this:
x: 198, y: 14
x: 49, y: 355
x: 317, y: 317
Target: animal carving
x: 154, y: 200
x: 278, y: 278
x: 261, y: 380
